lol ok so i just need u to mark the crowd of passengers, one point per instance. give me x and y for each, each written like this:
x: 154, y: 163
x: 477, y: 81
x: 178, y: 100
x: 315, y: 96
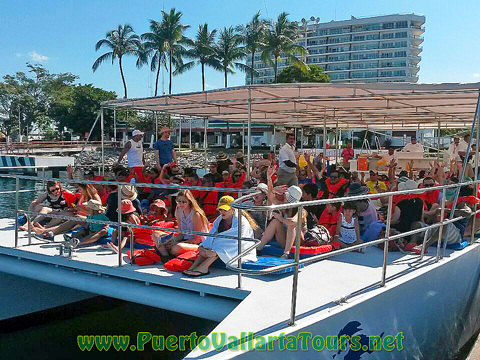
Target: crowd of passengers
x: 289, y: 178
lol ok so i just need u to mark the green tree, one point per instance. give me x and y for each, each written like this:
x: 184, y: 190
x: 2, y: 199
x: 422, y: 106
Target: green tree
x: 201, y: 49
x: 229, y: 50
x: 30, y: 97
x: 172, y: 32
x: 280, y: 40
x: 253, y: 34
x: 295, y: 73
x: 80, y: 107
x: 122, y: 41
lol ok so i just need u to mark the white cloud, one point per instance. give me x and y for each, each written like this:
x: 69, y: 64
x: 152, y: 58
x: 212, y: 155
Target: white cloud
x: 37, y: 57
x: 19, y: 55
x: 476, y: 75
x: 208, y: 86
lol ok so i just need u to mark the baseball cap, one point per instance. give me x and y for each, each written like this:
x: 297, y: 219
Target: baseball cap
x: 137, y: 132
x: 225, y: 203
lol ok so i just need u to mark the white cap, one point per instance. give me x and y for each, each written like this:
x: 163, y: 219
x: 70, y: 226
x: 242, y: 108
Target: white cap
x: 294, y: 194
x: 407, y: 185
x: 137, y: 132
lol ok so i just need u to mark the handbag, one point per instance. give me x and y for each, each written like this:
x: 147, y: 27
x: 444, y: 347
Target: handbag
x: 318, y: 235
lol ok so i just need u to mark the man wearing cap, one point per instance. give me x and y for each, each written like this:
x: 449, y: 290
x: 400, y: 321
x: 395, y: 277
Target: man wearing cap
x: 413, y: 146
x: 164, y: 152
x: 134, y: 150
x: 287, y: 172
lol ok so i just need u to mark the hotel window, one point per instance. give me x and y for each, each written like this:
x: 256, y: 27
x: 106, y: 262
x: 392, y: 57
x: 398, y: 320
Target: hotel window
x: 401, y: 24
x: 373, y: 37
x: 402, y: 34
x: 388, y: 36
x: 400, y: 54
x: 389, y: 25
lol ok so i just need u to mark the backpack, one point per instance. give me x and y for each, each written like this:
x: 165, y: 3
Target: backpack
x: 182, y: 262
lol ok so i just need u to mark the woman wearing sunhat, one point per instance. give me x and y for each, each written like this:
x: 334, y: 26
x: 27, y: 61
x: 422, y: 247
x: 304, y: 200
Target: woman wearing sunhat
x: 283, y: 225
x: 129, y: 216
x: 164, y: 149
x: 225, y: 249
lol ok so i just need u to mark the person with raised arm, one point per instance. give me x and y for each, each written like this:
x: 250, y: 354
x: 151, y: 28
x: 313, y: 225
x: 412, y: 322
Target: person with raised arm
x: 164, y: 149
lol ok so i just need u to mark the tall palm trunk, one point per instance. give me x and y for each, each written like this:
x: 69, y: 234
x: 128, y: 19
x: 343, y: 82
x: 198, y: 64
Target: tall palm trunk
x: 123, y: 77
x: 203, y: 76
x: 251, y: 72
x: 225, y: 77
x: 275, y: 68
x: 158, y: 74
x: 170, y: 74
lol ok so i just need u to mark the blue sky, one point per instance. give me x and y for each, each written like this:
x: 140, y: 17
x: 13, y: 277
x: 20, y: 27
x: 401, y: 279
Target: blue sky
x: 61, y: 34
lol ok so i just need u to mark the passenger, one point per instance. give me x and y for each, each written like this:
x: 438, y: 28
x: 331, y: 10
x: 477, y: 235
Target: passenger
x: 128, y: 193
x: 190, y: 217
x: 336, y: 186
x: 91, y: 232
x: 365, y: 208
x: 309, y: 193
x: 260, y: 217
x: 134, y: 150
x: 130, y: 216
x: 348, y: 230
x: 347, y: 155
x: 164, y: 149
x: 413, y: 146
x: 431, y: 199
x: 56, y: 200
x: 87, y: 192
x: 208, y: 200
x: 226, y: 249
x: 374, y: 184
x: 283, y: 226
x: 217, y: 177
x: 223, y: 162
x: 287, y: 172
x: 329, y: 217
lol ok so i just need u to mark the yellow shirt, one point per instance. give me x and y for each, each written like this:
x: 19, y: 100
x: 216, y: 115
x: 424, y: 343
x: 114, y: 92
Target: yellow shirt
x: 372, y: 184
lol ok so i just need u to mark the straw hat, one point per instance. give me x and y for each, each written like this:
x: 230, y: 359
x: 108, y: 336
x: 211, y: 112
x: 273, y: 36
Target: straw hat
x: 128, y: 192
x: 294, y: 194
x: 127, y: 207
x: 239, y: 155
x: 95, y: 205
x: 225, y: 203
x: 164, y: 129
x: 222, y: 156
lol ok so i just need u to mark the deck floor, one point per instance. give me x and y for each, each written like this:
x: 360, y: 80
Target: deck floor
x: 321, y: 285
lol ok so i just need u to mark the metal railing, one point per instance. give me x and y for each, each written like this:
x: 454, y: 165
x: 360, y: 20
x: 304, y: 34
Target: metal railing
x: 239, y: 205
x: 301, y: 205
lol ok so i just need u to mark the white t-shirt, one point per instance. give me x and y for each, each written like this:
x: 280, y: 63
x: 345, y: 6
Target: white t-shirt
x: 287, y: 153
x: 462, y: 147
x: 452, y: 151
x: 387, y: 157
x: 413, y: 147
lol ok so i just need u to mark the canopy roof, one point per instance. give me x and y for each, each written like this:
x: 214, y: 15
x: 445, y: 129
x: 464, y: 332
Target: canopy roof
x: 346, y: 105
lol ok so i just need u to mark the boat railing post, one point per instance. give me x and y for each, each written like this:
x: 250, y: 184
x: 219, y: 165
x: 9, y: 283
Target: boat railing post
x: 17, y: 182
x: 298, y: 231
x: 473, y: 224
x: 239, y: 247
x: 119, y: 219
x: 442, y: 219
x: 387, y: 237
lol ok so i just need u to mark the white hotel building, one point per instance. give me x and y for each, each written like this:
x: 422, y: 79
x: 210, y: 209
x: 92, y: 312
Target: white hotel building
x: 375, y: 49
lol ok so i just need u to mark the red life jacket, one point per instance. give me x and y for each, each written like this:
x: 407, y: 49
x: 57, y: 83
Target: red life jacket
x: 471, y: 200
x: 333, y: 188
x: 182, y: 262
x: 329, y: 221
x: 210, y: 202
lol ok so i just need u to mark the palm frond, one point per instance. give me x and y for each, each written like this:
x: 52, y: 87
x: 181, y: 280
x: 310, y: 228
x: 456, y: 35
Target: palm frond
x: 101, y: 59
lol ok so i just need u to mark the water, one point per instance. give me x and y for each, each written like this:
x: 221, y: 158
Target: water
x: 53, y: 333
x: 7, y: 201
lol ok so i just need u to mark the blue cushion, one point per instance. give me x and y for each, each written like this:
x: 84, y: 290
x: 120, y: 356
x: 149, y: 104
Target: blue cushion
x: 456, y: 246
x: 264, y: 262
x: 272, y: 249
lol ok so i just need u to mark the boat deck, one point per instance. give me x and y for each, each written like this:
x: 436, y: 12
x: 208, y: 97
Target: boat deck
x: 322, y: 285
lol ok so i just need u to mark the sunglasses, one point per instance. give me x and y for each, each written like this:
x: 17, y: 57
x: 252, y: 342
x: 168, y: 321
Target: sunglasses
x: 333, y: 177
x: 54, y: 189
x: 428, y: 185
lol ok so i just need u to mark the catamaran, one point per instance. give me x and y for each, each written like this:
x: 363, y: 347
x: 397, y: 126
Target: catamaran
x: 337, y: 305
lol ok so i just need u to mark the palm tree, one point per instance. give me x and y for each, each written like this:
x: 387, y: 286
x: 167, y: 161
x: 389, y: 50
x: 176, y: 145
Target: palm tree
x: 280, y: 40
x: 201, y: 49
x: 253, y: 34
x: 154, y: 43
x: 172, y: 33
x: 228, y: 50
x: 122, y: 41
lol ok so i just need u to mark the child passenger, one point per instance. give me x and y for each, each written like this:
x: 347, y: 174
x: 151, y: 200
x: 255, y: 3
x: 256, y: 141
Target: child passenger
x: 348, y: 230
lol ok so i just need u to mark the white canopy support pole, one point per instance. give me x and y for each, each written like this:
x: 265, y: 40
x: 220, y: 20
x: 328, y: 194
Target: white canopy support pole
x: 249, y: 130
x: 438, y: 142
x: 476, y: 178
x: 190, y: 136
x: 205, y: 143
x: 274, y: 140
x: 301, y: 139
x: 325, y: 136
x: 156, y: 126
x: 103, y: 147
x: 243, y: 137
x: 336, y: 143
x: 179, y: 134
x: 114, y: 124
